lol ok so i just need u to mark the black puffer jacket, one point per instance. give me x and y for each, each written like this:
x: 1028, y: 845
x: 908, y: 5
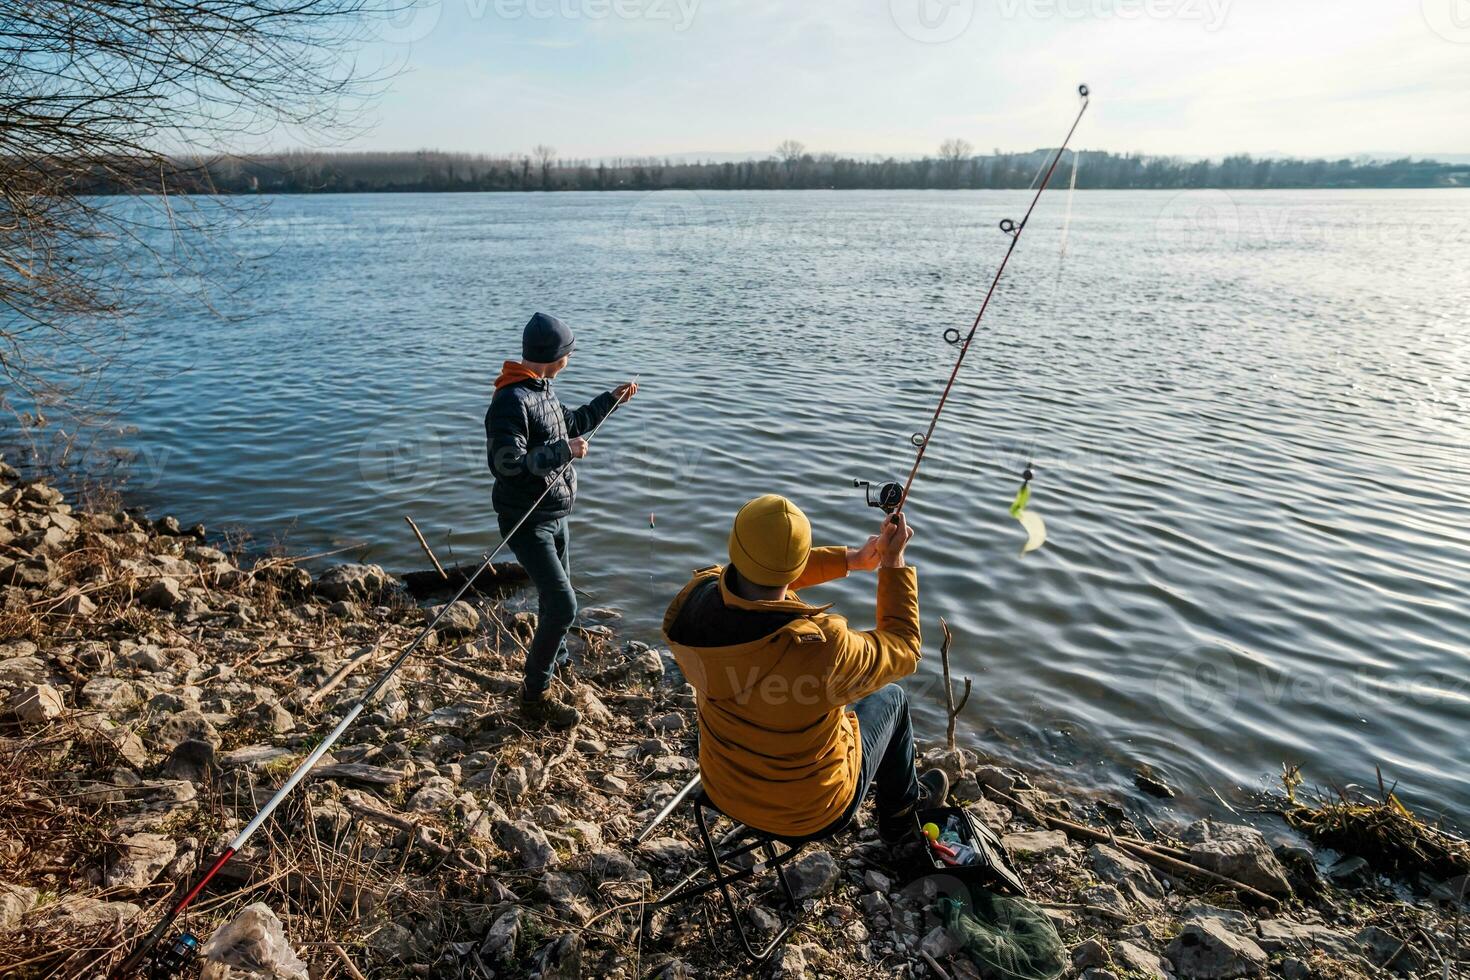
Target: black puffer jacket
x: 526, y: 433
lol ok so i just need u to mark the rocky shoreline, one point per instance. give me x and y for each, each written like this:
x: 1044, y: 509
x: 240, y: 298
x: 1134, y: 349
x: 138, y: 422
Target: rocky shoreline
x: 154, y: 691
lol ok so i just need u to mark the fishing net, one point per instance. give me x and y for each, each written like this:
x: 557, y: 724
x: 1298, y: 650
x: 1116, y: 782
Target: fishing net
x: 1007, y: 938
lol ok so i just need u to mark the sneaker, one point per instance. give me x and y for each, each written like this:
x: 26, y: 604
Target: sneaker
x: 547, y: 710
x: 904, y: 825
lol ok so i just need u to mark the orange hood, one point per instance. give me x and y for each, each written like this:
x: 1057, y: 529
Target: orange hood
x: 513, y: 372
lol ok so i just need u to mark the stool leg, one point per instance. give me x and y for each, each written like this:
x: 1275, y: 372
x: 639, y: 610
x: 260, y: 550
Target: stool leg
x: 756, y: 955
x: 780, y: 864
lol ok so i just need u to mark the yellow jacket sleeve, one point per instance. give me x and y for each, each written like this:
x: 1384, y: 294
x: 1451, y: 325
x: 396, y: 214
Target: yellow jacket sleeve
x: 867, y: 660
x: 822, y: 565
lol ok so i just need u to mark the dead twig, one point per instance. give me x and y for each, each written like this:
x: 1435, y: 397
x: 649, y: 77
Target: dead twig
x: 949, y: 706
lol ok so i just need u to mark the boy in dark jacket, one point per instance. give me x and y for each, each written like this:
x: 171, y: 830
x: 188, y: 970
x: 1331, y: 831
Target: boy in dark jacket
x: 530, y: 437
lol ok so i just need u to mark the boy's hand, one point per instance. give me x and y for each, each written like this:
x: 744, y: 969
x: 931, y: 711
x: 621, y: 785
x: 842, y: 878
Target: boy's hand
x: 578, y: 447
x: 625, y: 391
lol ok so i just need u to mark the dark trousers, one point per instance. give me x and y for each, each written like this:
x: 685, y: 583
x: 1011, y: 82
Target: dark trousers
x: 544, y: 551
x: 888, y: 753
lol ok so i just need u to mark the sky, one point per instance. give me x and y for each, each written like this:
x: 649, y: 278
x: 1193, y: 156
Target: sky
x: 608, y: 78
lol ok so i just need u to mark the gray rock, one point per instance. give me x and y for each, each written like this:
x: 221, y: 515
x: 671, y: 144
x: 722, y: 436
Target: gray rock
x: 436, y: 794
x: 393, y: 942
x: 1292, y: 968
x: 1146, y: 779
x: 1108, y: 898
x: 499, y: 945
x: 1237, y: 851
x: 1036, y: 844
x: 612, y: 785
x: 102, y: 733
x: 878, y: 881
x: 35, y: 703
x: 813, y: 875
x: 1131, y: 876
x: 1350, y: 872
x: 29, y: 573
x: 560, y: 959
x: 143, y: 857
x: 460, y: 619
x: 182, y: 726
x: 109, y: 692
x: 668, y: 851
x: 765, y: 922
x: 163, y: 593
x: 614, y: 865
x: 875, y: 904
x: 1005, y: 780
x: 1284, y: 935
x: 192, y: 759
x: 354, y: 582
x: 76, y: 604
x: 1097, y: 974
x: 274, y: 717
x: 527, y: 842
x: 1234, y: 920
x: 1137, y: 961
x: 671, y: 722
x: 991, y: 814
x: 15, y: 901
x: 1090, y: 954
x: 1388, y: 951
x: 790, y: 963
x: 940, y: 943
x: 674, y: 969
x: 18, y: 668
x: 79, y: 914
x: 1206, y: 950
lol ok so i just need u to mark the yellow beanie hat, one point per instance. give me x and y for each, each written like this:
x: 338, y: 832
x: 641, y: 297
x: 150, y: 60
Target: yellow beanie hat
x: 770, y: 541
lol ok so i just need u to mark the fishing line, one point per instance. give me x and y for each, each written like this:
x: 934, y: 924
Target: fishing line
x: 1067, y: 220
x: 892, y: 496
x: 167, y: 957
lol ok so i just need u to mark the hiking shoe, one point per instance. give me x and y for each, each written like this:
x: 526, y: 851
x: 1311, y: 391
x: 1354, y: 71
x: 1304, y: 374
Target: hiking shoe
x: 547, y: 710
x: 904, y: 825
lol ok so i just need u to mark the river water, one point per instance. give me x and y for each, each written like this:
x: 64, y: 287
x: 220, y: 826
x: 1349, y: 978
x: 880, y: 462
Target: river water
x: 1248, y: 411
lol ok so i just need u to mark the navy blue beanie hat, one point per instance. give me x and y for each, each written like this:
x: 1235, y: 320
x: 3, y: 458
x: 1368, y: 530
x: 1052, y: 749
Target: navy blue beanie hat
x: 546, y: 339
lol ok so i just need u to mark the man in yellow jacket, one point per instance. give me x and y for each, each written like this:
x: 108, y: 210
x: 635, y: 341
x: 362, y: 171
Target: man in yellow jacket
x: 798, y: 714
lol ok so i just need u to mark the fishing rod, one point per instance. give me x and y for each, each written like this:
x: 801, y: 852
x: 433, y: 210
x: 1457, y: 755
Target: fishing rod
x: 891, y: 497
x: 182, y: 950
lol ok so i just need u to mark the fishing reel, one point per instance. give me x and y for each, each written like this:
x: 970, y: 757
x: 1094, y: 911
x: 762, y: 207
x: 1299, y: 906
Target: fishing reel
x: 174, y: 959
x: 890, y: 495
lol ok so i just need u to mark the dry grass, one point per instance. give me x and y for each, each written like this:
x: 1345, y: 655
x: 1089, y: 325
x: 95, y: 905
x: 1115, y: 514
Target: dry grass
x: 1381, y: 830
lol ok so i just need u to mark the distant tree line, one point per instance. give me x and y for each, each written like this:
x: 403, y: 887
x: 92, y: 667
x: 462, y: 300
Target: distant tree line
x: 956, y: 166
